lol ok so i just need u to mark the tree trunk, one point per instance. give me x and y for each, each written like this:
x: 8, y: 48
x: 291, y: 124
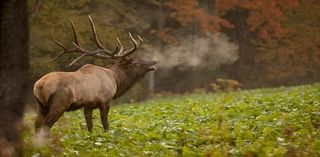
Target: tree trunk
x: 13, y: 74
x: 244, y: 68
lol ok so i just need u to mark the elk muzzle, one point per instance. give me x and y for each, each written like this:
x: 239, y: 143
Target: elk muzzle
x: 151, y: 65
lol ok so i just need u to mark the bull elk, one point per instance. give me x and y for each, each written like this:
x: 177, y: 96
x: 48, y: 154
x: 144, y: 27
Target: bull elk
x: 91, y: 86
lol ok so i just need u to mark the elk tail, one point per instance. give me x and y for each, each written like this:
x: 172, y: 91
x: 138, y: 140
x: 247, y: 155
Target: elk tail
x: 43, y: 103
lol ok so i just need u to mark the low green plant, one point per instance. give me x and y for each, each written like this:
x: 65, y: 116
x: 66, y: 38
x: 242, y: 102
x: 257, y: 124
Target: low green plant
x: 263, y: 122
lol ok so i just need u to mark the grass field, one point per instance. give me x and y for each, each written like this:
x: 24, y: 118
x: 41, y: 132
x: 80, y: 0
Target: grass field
x: 263, y: 122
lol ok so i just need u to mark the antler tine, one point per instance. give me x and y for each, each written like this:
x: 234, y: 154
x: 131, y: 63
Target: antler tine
x: 141, y: 40
x: 135, y: 45
x: 57, y: 42
x: 96, y: 39
x: 78, y: 58
x: 65, y: 50
x: 94, y: 32
x: 57, y: 57
x: 74, y: 33
x: 133, y: 40
x: 121, y: 47
x: 116, y: 50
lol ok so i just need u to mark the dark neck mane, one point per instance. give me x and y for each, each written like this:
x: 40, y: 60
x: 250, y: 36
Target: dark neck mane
x: 125, y: 80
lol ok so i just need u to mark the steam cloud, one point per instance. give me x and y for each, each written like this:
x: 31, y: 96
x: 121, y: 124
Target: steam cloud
x: 210, y: 51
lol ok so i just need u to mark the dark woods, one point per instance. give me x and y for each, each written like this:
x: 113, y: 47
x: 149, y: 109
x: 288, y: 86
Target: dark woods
x: 14, y: 66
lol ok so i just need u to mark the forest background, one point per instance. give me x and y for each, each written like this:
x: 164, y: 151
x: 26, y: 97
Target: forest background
x: 261, y: 43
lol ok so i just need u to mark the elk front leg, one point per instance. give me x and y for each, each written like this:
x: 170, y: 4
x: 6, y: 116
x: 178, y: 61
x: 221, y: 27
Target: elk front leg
x: 104, y: 110
x: 88, y: 116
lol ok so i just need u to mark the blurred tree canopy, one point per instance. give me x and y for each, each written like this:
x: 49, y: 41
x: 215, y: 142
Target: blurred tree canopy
x: 277, y: 39
x: 283, y: 33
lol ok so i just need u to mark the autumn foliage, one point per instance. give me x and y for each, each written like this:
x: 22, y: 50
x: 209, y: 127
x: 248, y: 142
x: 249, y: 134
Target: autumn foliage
x: 284, y: 31
x: 188, y: 12
x: 265, y: 15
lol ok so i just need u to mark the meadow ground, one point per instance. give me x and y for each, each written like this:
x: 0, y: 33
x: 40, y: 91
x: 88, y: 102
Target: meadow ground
x: 262, y: 122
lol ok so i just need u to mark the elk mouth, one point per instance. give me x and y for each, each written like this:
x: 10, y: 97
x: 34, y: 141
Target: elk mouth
x: 152, y: 66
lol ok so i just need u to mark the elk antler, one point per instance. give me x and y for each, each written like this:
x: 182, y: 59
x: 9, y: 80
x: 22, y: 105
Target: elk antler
x: 101, y: 51
x: 97, y: 41
x: 131, y: 50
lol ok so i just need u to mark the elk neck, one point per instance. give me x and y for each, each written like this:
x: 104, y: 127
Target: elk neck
x: 125, y: 79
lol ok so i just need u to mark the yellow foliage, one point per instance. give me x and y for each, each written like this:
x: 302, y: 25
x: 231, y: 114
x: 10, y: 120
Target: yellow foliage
x: 225, y: 85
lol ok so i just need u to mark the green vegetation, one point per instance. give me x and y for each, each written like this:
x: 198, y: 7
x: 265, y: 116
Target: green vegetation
x: 264, y: 122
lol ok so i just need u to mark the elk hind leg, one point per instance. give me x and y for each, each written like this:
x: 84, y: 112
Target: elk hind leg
x: 57, y: 108
x: 52, y: 117
x: 42, y: 113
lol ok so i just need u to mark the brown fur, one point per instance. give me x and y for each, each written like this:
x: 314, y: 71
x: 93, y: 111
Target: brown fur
x: 90, y: 87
